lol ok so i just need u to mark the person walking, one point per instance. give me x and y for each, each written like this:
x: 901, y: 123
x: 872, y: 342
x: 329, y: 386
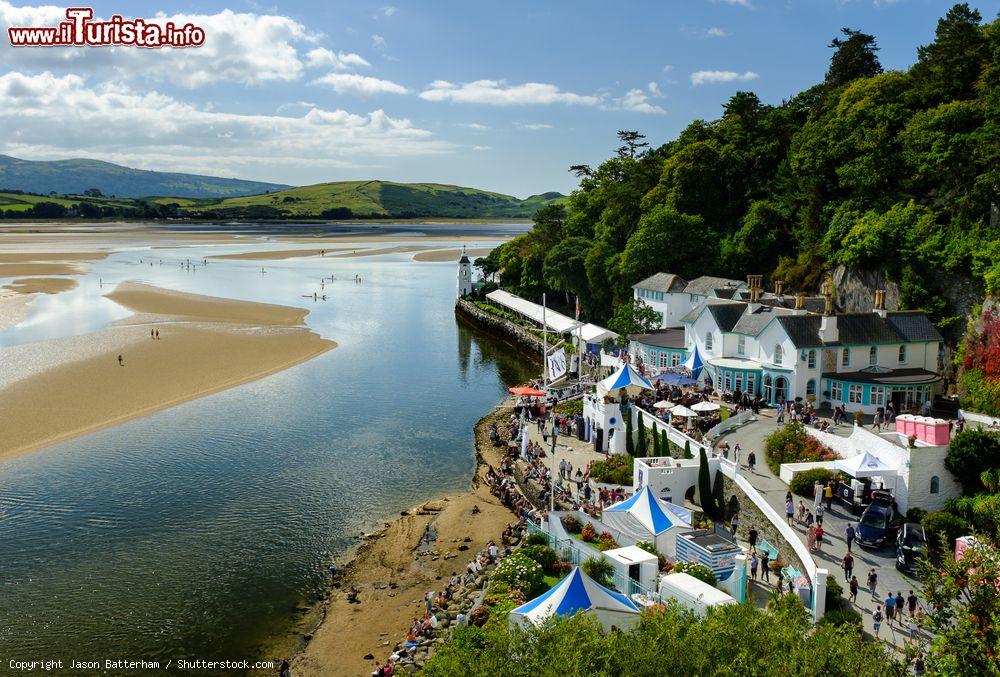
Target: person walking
x: 911, y: 604
x: 121, y: 362
x: 789, y: 510
x: 876, y: 620
x: 849, y: 535
x: 873, y: 582
x: 735, y: 523
x: 752, y: 540
x: 819, y: 514
x: 751, y: 460
x: 847, y: 564
x: 890, y: 608
x: 152, y: 334
x: 819, y: 537
x: 802, y: 512
x: 854, y: 589
x: 899, y: 606
x: 828, y: 495
x: 811, y: 538
x: 765, y: 567
x: 754, y: 562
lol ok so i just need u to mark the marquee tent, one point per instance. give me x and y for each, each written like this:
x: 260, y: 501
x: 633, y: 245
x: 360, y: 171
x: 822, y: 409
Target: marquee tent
x: 578, y: 593
x: 683, y: 412
x: 694, y: 363
x: 866, y: 465
x: 626, y: 378
x: 644, y: 517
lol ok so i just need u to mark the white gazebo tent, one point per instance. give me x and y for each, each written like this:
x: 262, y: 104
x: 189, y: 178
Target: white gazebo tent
x: 867, y: 464
x: 626, y: 379
x: 644, y: 517
x: 578, y: 593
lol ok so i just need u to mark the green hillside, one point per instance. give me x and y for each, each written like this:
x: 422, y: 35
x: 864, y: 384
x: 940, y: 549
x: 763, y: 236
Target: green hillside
x: 73, y: 177
x: 363, y: 199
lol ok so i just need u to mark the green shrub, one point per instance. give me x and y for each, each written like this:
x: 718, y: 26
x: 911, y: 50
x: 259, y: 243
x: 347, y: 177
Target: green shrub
x: 699, y: 571
x: 650, y: 547
x: 606, y: 541
x: 915, y: 515
x: 537, y: 539
x: 802, y: 483
x: 570, y: 408
x: 615, y: 470
x: 970, y: 453
x: 846, y: 618
x: 520, y: 572
x: 599, y: 569
x: 792, y: 444
x: 571, y: 524
x: 543, y: 554
x: 941, y: 526
x: 834, y: 594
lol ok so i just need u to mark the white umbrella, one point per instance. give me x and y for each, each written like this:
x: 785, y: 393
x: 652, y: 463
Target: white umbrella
x: 662, y: 404
x: 705, y: 406
x: 683, y: 412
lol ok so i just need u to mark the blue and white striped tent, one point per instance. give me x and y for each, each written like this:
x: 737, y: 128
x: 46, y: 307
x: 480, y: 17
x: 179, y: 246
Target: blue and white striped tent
x: 574, y: 594
x: 625, y: 378
x: 644, y: 517
x: 694, y: 364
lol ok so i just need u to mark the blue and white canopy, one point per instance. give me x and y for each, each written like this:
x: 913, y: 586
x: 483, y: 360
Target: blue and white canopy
x: 651, y: 512
x: 694, y: 363
x: 574, y: 594
x: 626, y: 378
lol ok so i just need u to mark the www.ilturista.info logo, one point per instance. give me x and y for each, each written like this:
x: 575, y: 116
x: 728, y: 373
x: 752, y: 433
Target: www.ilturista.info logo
x: 82, y: 31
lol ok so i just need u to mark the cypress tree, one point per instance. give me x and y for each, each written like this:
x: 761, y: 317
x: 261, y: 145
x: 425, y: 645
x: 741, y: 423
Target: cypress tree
x: 687, y: 449
x: 629, y: 442
x: 643, y: 442
x: 657, y: 452
x: 719, y: 498
x: 704, y: 484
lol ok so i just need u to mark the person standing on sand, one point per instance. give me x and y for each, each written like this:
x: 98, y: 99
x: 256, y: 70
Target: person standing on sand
x: 121, y: 362
x: 152, y: 334
x: 157, y: 334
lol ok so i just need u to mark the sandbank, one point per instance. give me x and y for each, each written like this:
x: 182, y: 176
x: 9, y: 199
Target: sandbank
x: 206, y: 345
x: 277, y: 254
x: 450, y: 254
x: 400, y: 249
x: 41, y: 285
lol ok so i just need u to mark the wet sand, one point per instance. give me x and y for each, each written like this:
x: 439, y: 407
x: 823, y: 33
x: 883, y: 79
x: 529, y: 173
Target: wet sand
x: 401, y: 249
x: 450, y: 254
x: 22, y: 257
x: 206, y: 345
x: 41, y: 285
x: 348, y: 632
x: 277, y: 254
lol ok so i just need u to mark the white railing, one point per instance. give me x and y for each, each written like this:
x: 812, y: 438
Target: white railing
x: 733, y: 421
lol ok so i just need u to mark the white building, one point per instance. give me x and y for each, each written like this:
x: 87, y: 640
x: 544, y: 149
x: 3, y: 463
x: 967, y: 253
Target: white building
x: 464, y: 275
x: 673, y: 297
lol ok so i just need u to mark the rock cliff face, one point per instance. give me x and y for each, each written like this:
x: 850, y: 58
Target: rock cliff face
x: 855, y: 289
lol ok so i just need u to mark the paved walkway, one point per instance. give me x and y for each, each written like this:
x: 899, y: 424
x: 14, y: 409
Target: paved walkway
x: 751, y: 437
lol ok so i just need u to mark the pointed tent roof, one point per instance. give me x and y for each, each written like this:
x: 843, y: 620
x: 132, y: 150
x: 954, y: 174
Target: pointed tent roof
x: 865, y: 465
x: 575, y: 593
x: 625, y: 377
x: 694, y: 363
x: 650, y: 511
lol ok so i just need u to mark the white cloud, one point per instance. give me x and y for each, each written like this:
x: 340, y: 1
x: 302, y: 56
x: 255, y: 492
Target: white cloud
x: 667, y: 68
x: 388, y: 11
x: 499, y: 93
x: 149, y: 129
x: 532, y: 126
x: 741, y: 3
x: 474, y: 126
x: 716, y: 32
x: 715, y: 77
x: 360, y: 85
x: 378, y: 42
x: 240, y: 47
x: 321, y: 57
x: 482, y: 148
x: 654, y: 89
x: 635, y: 101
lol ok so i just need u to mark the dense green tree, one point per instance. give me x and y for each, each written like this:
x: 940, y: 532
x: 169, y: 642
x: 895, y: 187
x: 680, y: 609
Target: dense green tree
x: 950, y: 67
x: 636, y: 317
x: 970, y: 453
x: 565, y: 266
x: 855, y: 56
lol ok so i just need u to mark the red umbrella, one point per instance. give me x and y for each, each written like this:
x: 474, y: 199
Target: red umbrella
x: 528, y: 391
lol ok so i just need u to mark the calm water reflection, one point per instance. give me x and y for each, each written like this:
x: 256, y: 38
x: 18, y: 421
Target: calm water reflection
x: 197, y: 532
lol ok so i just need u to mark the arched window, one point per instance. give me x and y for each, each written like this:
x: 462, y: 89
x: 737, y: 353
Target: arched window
x: 708, y: 341
x: 935, y: 485
x: 811, y: 359
x: 872, y: 356
x: 777, y: 354
x: 811, y: 387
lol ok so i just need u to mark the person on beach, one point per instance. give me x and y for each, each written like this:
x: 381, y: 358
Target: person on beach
x: 152, y: 334
x: 121, y: 362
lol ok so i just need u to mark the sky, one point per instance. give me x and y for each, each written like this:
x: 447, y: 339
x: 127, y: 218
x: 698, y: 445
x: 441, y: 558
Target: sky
x: 502, y: 96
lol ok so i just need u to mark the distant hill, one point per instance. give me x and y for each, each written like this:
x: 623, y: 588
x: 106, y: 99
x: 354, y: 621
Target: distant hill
x: 73, y: 177
x: 361, y: 199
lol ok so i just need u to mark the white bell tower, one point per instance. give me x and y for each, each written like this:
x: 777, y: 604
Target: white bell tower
x: 464, y: 275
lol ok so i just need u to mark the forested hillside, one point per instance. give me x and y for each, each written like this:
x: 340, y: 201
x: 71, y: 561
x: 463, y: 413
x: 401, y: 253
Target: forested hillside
x: 896, y: 172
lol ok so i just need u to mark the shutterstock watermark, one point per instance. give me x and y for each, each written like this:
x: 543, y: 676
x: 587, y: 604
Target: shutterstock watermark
x: 82, y: 31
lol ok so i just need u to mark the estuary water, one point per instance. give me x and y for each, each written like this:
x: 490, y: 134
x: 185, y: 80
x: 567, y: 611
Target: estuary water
x: 200, y: 531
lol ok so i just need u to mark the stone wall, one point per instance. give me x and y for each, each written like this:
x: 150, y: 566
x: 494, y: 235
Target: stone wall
x: 499, y: 326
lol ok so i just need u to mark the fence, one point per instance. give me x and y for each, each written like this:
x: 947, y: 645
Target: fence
x: 734, y: 421
x: 576, y: 553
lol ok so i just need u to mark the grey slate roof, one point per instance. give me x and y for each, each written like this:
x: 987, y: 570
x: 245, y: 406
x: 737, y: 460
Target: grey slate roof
x: 665, y: 282
x: 752, y: 324
x: 662, y: 338
x: 888, y: 376
x: 803, y: 330
x: 913, y: 326
x: 727, y: 314
x: 705, y: 284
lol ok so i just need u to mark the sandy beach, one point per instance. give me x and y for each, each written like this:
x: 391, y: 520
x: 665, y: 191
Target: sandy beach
x: 277, y: 254
x: 206, y: 345
x: 450, y: 254
x: 41, y: 285
x: 392, y: 575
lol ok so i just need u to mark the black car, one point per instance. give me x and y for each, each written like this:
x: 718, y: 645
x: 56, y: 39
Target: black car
x: 878, y: 524
x: 911, y: 546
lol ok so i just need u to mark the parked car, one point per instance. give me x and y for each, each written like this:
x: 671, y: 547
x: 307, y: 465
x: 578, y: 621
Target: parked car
x: 878, y: 524
x: 911, y: 546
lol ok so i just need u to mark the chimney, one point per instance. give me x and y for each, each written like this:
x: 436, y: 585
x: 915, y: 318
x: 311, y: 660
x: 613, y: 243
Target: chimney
x: 779, y: 287
x: 880, y: 302
x: 828, y: 332
x: 800, y: 303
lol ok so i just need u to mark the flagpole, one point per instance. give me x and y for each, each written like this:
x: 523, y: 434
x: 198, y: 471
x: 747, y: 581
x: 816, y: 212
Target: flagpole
x: 545, y: 347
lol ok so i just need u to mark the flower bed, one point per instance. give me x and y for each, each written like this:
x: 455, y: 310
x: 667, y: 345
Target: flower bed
x: 614, y: 470
x: 792, y: 444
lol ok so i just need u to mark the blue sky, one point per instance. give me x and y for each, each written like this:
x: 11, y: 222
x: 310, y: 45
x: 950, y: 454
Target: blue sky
x: 503, y: 96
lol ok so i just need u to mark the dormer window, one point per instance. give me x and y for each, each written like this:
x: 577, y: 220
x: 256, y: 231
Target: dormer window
x: 777, y: 354
x: 741, y: 345
x: 811, y: 359
x: 902, y: 354
x: 872, y: 356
